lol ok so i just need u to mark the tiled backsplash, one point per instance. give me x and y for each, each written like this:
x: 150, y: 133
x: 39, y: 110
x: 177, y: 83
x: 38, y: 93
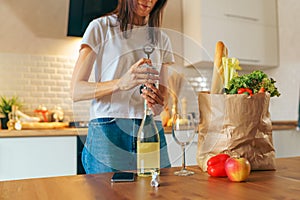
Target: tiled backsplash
x: 40, y: 80
x: 196, y: 80
x: 45, y: 80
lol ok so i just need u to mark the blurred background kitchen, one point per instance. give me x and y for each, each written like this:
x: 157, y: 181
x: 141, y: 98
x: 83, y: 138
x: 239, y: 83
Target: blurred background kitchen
x: 37, y: 58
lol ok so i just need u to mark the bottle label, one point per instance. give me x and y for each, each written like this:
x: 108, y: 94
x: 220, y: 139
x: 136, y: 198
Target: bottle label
x: 148, y: 157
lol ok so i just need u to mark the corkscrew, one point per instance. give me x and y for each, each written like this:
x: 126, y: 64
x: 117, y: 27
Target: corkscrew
x: 148, y: 50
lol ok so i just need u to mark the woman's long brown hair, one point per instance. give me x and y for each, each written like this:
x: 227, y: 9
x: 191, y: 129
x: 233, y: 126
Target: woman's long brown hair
x: 125, y: 12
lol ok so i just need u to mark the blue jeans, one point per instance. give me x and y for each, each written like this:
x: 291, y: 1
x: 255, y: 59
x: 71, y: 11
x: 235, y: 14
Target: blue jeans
x: 111, y: 145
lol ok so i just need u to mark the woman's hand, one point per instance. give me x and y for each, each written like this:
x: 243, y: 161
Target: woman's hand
x: 154, y: 98
x: 138, y: 75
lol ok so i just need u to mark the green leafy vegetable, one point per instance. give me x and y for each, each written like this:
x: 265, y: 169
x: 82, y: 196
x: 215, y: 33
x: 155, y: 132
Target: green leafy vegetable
x: 256, y: 81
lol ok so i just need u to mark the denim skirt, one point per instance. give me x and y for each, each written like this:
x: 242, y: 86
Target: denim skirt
x: 111, y: 145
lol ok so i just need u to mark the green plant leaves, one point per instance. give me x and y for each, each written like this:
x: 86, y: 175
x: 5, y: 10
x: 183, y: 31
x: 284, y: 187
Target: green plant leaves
x: 7, y: 103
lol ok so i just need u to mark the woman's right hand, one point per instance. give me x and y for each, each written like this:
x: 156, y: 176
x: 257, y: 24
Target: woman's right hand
x: 137, y: 75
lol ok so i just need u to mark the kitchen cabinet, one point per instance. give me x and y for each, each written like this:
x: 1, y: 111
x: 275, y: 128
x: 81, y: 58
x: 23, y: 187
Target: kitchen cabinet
x: 175, y: 151
x: 247, y: 27
x: 80, y: 144
x: 286, y: 143
x: 33, y: 157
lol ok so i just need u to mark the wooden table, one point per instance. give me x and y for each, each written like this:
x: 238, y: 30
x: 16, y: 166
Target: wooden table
x: 284, y: 183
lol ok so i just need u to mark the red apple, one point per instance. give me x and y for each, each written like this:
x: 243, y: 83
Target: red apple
x: 237, y: 169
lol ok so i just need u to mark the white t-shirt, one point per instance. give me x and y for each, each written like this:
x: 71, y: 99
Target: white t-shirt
x: 115, y: 55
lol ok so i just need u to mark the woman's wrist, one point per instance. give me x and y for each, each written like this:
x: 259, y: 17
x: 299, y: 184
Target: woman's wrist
x: 119, y: 86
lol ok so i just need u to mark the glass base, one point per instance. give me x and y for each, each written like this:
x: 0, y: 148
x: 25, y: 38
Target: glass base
x: 184, y: 172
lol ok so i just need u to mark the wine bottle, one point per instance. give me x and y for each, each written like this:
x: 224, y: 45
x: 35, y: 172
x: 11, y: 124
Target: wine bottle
x: 14, y: 123
x: 148, y: 145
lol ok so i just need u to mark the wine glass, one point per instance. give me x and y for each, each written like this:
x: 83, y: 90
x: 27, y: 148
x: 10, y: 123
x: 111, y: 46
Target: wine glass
x: 183, y: 132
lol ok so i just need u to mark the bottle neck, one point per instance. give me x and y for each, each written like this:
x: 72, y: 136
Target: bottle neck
x: 147, y: 110
x: 13, y: 114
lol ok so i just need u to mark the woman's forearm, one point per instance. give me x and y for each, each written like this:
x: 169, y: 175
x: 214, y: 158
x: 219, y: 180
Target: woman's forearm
x: 81, y: 88
x: 88, y: 90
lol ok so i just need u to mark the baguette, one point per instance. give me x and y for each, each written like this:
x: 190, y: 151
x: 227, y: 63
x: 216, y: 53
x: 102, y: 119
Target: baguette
x: 220, y: 52
x: 218, y: 71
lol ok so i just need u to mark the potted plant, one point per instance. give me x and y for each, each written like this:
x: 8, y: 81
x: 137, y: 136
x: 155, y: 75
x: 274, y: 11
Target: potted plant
x: 6, y: 107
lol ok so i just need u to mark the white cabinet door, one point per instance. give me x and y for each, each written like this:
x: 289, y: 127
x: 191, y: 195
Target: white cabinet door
x: 247, y: 27
x: 175, y: 151
x: 286, y: 143
x: 33, y: 157
x: 252, y: 44
x: 258, y: 11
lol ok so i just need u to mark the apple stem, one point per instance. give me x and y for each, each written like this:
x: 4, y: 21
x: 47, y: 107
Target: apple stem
x: 235, y: 154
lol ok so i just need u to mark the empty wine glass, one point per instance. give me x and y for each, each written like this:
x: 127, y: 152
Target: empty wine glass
x: 183, y: 132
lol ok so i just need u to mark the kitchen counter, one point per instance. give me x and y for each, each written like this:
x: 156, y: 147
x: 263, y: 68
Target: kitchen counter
x: 43, y: 133
x: 277, y: 125
x: 83, y: 131
x: 280, y: 184
x: 284, y: 125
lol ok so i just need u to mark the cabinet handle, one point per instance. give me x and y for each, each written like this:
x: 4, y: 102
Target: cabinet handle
x: 249, y: 60
x: 242, y: 17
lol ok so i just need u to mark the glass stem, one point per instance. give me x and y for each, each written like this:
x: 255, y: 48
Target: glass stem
x: 183, y: 157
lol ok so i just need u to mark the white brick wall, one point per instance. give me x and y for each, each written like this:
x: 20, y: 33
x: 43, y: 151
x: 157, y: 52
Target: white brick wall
x: 45, y: 80
x: 38, y: 80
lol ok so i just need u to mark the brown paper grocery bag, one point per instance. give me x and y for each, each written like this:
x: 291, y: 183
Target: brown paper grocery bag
x: 239, y: 124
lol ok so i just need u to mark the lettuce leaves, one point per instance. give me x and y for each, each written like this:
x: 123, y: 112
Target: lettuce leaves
x: 255, y: 81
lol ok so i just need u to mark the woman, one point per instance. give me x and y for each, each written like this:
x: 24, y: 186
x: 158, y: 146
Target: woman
x: 113, y: 45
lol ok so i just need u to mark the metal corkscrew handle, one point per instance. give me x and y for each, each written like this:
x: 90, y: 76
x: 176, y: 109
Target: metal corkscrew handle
x: 148, y: 50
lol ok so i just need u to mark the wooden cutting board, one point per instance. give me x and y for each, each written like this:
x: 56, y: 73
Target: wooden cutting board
x: 44, y: 125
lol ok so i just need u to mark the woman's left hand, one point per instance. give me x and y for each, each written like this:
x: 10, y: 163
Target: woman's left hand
x: 154, y: 98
